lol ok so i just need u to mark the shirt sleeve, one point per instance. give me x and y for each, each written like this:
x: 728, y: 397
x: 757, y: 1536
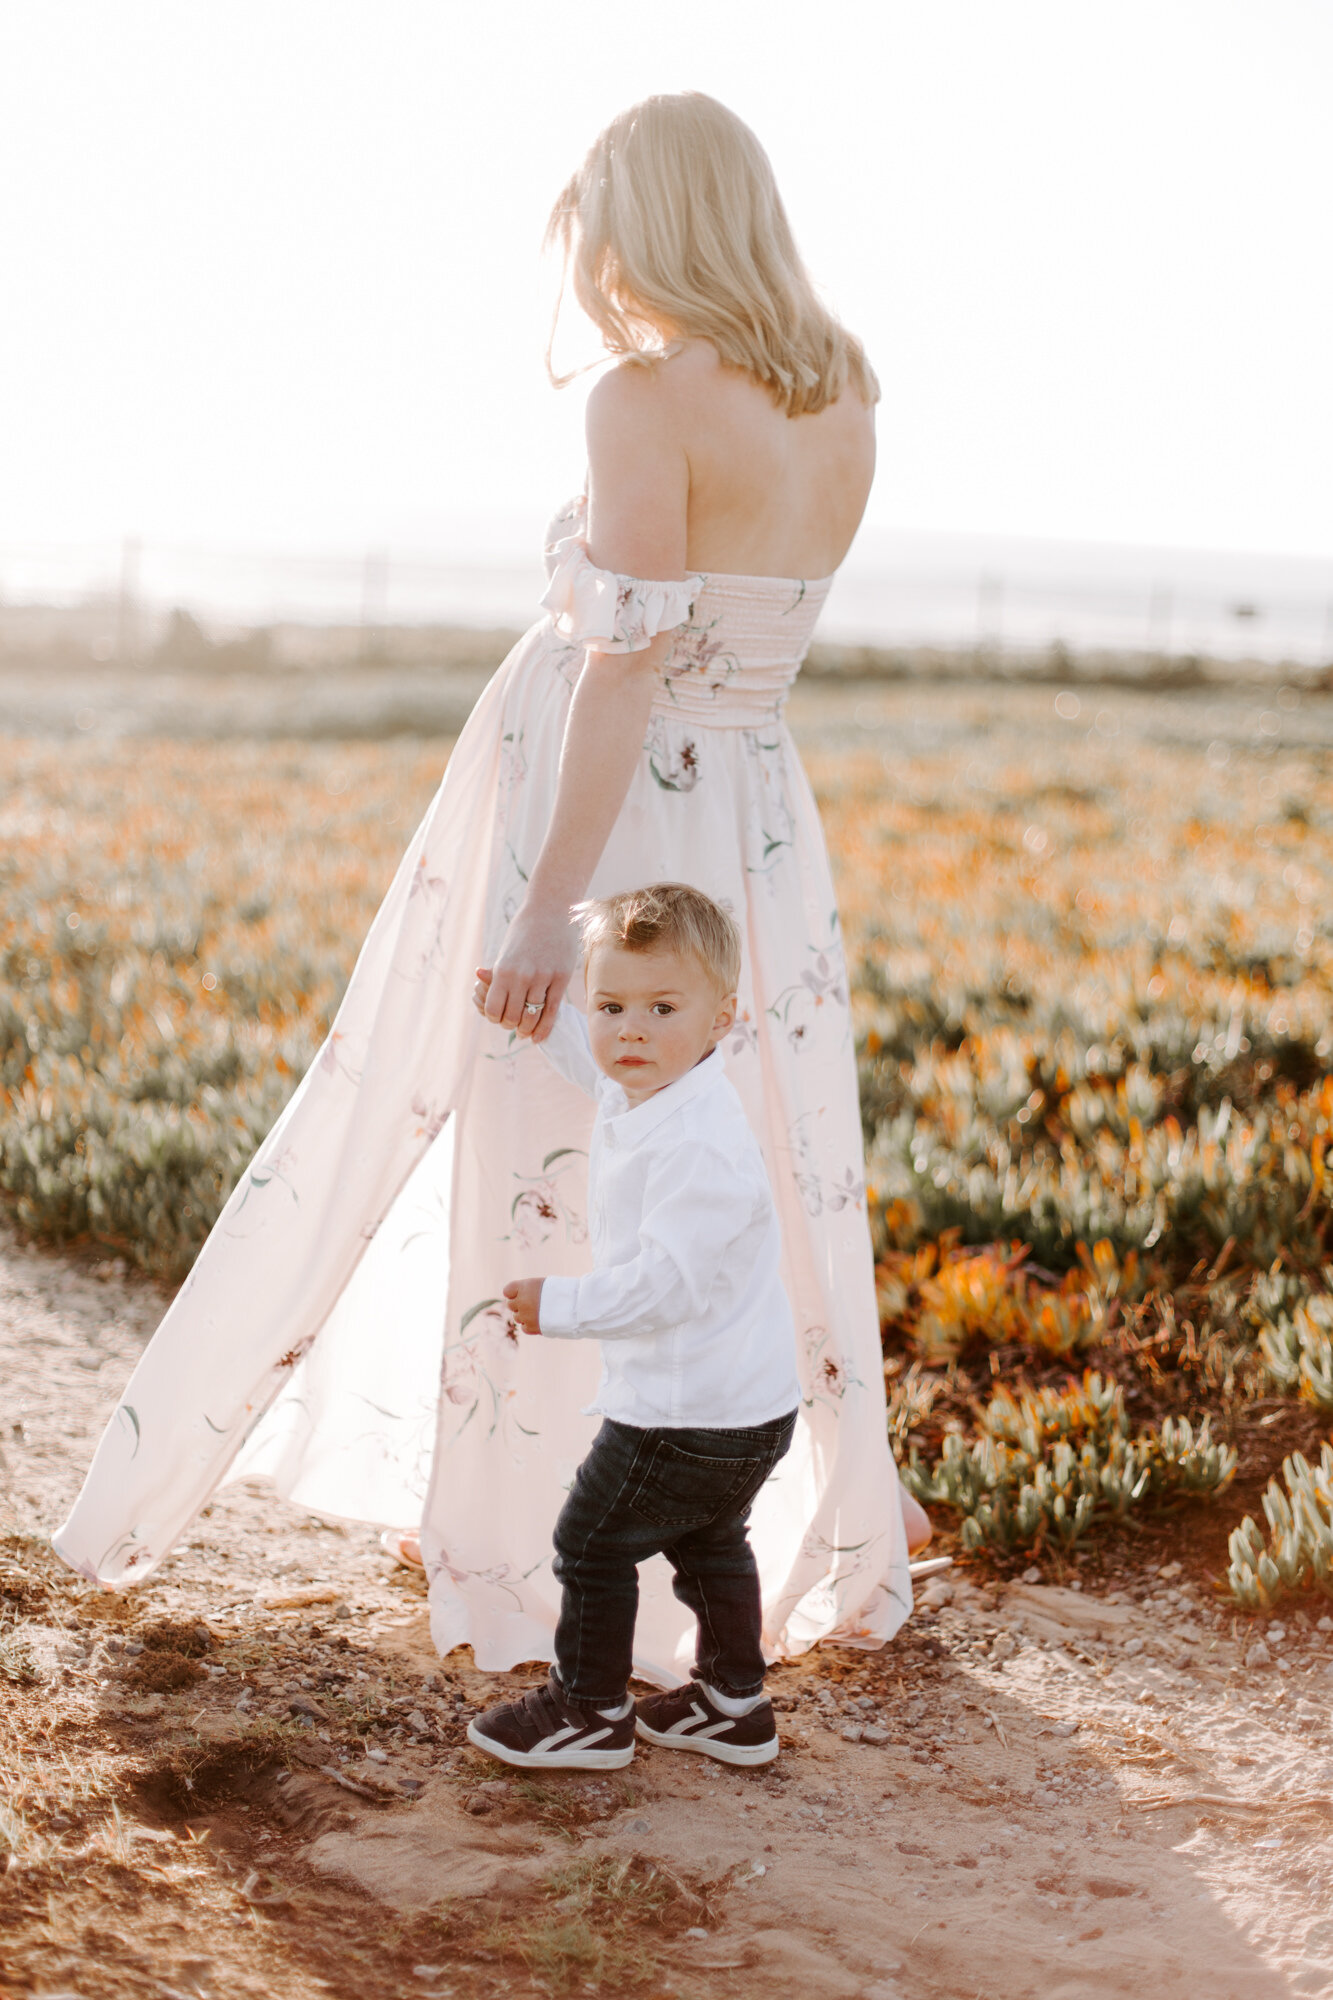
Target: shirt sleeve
x: 696, y: 1206
x: 568, y: 1049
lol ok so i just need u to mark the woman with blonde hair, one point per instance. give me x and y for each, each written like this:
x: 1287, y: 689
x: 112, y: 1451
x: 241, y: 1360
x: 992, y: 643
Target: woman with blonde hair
x: 343, y: 1332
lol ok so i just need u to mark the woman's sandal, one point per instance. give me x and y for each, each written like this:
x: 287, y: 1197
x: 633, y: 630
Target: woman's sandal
x: 395, y: 1541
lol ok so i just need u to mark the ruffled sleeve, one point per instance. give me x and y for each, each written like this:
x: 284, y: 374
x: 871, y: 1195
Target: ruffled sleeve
x: 596, y: 607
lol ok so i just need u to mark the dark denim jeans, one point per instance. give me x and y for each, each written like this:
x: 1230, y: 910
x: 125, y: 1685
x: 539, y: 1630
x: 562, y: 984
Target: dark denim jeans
x: 684, y: 1494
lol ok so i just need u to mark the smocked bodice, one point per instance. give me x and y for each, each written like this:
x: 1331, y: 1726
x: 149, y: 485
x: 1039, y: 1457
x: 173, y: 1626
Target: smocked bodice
x: 739, y: 640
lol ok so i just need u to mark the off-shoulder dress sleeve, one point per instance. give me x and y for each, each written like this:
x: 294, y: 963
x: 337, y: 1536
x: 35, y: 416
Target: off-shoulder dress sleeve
x: 599, y: 608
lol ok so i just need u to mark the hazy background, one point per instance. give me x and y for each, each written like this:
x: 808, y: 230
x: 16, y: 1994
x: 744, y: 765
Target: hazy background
x: 274, y: 309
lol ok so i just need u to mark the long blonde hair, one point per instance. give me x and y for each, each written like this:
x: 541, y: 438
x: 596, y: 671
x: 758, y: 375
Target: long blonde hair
x: 674, y: 221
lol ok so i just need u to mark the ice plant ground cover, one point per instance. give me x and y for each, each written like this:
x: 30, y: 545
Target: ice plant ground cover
x: 1090, y: 953
x: 178, y: 923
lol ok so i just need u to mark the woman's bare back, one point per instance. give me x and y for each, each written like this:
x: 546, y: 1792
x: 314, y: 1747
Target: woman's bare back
x: 770, y: 495
x: 692, y: 463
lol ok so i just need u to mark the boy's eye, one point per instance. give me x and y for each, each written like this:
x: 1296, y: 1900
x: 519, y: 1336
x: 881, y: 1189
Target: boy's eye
x: 663, y: 1007
x: 610, y: 1006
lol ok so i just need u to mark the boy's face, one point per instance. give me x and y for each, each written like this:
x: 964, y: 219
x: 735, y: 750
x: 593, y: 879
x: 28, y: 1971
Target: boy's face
x: 652, y: 1015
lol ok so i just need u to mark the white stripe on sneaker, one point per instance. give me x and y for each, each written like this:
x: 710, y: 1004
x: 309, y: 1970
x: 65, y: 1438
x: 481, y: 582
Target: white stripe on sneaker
x: 562, y: 1736
x: 686, y: 1725
x: 687, y: 1722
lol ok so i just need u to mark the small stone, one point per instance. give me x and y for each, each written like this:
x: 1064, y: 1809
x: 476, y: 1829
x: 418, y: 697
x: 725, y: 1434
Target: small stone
x: 1063, y: 1728
x: 1032, y: 1575
x: 638, y: 1826
x: 874, y: 1732
x: 409, y: 1785
x: 936, y: 1594
x: 1134, y: 1647
x: 1168, y: 1571
x: 301, y: 1704
x: 1324, y: 1625
x: 416, y: 1720
x: 1276, y: 1634
x: 1004, y: 1646
x: 695, y: 1932
x: 342, y: 1610
x: 1106, y: 1886
x: 428, y: 1971
x: 378, y: 1756
x: 477, y: 1805
x: 1258, y: 1655
x: 852, y: 1732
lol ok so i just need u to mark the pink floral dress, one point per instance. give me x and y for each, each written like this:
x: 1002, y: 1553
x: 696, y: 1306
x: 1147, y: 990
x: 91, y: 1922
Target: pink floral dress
x: 343, y: 1334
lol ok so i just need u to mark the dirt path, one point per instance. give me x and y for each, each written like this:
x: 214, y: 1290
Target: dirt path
x: 250, y: 1775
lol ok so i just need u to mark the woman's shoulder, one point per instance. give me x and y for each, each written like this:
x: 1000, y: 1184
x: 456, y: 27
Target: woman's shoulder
x: 688, y: 387
x: 684, y: 375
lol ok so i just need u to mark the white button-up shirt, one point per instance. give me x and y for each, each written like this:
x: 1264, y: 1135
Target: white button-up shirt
x: 686, y: 1296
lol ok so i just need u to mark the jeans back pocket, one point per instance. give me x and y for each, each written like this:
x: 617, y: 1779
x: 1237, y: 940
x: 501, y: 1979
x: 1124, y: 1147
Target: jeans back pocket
x: 687, y: 1489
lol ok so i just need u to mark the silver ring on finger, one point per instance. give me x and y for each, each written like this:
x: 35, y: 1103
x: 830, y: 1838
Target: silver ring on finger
x: 534, y: 1006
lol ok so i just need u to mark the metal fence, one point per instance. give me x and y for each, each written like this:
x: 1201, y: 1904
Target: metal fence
x: 117, y: 602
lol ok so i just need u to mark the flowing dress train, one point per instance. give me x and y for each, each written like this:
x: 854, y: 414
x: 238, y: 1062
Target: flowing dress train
x: 342, y: 1333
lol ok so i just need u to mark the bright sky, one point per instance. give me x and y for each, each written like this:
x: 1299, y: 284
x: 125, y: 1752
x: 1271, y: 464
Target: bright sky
x: 271, y: 268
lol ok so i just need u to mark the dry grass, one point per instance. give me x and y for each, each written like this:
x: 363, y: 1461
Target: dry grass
x: 603, y: 1925
x: 145, y: 1827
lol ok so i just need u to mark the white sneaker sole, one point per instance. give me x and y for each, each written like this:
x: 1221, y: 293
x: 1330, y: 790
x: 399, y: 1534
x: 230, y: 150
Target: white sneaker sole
x: 708, y: 1746
x: 551, y: 1760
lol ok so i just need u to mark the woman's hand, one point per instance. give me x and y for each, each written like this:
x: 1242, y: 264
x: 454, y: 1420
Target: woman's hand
x: 524, y: 988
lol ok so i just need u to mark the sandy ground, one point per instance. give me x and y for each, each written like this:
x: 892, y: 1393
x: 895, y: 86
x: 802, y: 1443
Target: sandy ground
x: 1067, y: 1787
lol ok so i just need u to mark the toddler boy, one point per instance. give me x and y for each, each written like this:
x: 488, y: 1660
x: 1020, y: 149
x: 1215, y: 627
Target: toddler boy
x: 699, y: 1388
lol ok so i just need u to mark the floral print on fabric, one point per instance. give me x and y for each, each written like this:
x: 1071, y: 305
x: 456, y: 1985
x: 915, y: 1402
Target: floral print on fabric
x: 344, y: 1333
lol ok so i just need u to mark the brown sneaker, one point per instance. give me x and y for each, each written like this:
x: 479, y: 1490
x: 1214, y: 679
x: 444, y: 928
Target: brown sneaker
x: 686, y: 1719
x: 545, y: 1731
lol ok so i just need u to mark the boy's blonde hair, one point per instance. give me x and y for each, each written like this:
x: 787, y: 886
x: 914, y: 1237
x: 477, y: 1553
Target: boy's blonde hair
x: 675, y: 220
x: 666, y: 916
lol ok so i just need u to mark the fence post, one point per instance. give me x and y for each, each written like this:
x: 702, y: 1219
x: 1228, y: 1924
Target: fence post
x: 1161, y: 603
x: 374, y: 600
x: 990, y: 614
x: 127, y: 603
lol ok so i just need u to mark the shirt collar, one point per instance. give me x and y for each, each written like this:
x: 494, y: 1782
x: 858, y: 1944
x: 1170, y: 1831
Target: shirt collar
x: 636, y: 1123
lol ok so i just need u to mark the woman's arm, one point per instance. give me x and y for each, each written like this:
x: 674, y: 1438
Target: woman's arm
x: 638, y: 474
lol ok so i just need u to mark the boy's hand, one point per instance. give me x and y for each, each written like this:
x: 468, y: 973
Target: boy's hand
x: 524, y: 1298
x: 481, y: 989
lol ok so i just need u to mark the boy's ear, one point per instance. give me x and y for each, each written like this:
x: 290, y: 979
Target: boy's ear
x: 725, y: 1018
